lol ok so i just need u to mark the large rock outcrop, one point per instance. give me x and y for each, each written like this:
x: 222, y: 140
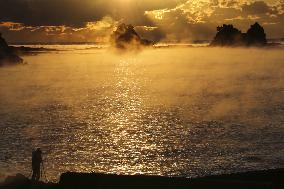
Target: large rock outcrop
x: 7, y: 56
x: 256, y: 179
x: 228, y: 35
x: 125, y: 37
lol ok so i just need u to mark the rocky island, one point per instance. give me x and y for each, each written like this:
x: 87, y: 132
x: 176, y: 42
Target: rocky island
x: 228, y: 35
x: 125, y: 37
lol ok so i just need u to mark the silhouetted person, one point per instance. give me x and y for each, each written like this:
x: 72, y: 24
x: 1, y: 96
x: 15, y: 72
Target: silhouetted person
x: 36, y: 163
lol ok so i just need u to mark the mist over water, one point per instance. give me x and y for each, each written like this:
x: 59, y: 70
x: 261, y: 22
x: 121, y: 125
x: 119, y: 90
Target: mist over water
x: 168, y: 111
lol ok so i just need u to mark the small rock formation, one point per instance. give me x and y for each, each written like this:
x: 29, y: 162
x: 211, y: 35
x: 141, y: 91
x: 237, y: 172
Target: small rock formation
x: 17, y: 181
x: 7, y: 56
x: 256, y: 35
x: 227, y: 35
x: 125, y: 37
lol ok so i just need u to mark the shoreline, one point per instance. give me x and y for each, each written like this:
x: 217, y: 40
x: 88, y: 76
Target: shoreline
x: 273, y: 178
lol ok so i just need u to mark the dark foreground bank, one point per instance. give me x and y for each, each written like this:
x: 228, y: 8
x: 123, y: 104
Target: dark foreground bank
x: 257, y: 179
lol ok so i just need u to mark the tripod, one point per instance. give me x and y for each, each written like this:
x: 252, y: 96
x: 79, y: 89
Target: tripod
x: 43, y: 172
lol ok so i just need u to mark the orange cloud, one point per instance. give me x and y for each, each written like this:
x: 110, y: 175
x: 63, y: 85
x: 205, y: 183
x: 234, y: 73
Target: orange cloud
x: 92, y: 32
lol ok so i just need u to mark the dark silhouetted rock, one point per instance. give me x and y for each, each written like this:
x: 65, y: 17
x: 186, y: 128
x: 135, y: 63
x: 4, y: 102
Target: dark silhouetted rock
x: 7, y: 56
x: 16, y: 181
x: 125, y: 37
x: 257, y: 179
x: 21, y: 182
x: 227, y: 35
x: 266, y: 179
x: 256, y: 35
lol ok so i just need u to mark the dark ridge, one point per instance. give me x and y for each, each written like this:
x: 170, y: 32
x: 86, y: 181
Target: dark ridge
x: 268, y: 179
x: 125, y: 37
x: 228, y: 35
x: 22, y: 50
x: 7, y: 55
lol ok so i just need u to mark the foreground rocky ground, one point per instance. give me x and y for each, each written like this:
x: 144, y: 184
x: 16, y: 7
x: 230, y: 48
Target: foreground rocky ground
x: 257, y: 179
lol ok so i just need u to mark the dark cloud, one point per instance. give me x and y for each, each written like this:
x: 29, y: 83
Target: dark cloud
x: 92, y: 32
x: 256, y: 8
x: 76, y: 12
x: 49, y: 12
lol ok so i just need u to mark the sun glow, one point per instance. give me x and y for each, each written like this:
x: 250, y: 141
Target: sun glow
x: 124, y: 1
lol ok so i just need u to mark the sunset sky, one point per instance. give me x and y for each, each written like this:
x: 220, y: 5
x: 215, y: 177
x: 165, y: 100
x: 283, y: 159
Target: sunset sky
x: 166, y: 20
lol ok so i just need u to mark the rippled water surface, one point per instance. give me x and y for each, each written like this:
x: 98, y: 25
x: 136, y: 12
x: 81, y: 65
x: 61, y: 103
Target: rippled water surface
x: 180, y: 112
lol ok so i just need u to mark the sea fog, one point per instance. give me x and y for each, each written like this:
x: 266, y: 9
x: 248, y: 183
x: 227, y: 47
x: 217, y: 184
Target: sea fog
x: 164, y: 111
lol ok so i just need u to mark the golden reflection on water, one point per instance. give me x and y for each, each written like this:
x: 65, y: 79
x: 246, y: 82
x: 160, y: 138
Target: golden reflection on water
x: 125, y: 133
x: 182, y: 114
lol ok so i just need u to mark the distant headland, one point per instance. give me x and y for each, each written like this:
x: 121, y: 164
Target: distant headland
x: 7, y: 55
x: 10, y: 55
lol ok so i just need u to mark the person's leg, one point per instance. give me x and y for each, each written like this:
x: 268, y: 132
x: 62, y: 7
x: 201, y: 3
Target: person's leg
x: 37, y: 173
x: 34, y: 175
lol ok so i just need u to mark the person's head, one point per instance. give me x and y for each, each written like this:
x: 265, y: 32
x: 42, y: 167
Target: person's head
x: 38, y: 150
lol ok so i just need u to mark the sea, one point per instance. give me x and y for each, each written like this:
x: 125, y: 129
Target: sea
x: 172, y: 110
